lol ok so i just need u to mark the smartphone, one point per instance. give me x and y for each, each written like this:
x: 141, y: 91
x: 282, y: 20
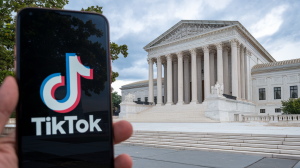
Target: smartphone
x: 63, y: 69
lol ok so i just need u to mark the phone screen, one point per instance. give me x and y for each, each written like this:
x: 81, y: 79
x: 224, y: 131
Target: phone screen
x: 63, y: 70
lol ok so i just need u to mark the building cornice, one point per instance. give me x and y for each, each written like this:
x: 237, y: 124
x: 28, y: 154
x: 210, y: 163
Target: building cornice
x: 231, y: 25
x: 263, y: 68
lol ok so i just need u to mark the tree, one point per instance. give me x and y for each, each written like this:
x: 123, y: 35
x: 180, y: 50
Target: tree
x: 291, y: 106
x: 115, y: 49
x: 7, y: 31
x: 116, y: 99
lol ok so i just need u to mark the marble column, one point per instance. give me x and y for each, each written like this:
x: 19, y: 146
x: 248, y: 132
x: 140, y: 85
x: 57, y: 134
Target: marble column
x: 151, y: 90
x: 239, y: 71
x: 159, y: 84
x: 248, y: 72
x: 234, y: 68
x: 243, y: 79
x: 180, y: 78
x: 199, y: 78
x: 194, y: 76
x: 254, y: 91
x: 169, y: 65
x: 175, y: 81
x: 186, y: 79
x: 220, y: 69
x: 226, y: 71
x: 212, y: 67
x: 165, y: 82
x: 206, y: 71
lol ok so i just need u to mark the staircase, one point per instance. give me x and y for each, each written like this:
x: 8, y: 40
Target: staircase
x: 173, y: 113
x: 279, y: 146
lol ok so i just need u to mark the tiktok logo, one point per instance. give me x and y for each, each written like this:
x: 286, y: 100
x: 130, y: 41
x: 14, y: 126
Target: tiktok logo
x: 74, y: 69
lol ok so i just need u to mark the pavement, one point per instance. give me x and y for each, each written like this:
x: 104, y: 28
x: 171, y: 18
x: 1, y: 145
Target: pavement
x: 251, y: 128
x: 147, y: 157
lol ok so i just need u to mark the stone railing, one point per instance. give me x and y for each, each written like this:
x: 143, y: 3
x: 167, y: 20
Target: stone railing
x: 128, y: 108
x: 291, y: 118
x: 11, y: 121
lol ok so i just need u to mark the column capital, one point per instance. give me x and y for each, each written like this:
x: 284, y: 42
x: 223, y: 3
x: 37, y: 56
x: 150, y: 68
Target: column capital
x: 150, y: 61
x: 158, y: 59
x: 179, y: 54
x: 169, y: 57
x: 238, y: 47
x: 248, y: 52
x: 193, y: 51
x: 219, y: 45
x: 205, y: 48
x: 234, y: 42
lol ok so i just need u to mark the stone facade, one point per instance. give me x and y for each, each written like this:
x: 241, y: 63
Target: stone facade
x: 198, y: 57
x: 278, y: 81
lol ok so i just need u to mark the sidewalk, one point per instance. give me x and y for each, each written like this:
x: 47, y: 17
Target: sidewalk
x: 146, y: 157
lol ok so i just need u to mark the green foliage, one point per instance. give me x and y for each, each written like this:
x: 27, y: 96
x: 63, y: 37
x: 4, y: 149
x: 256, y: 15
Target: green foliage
x: 7, y: 30
x: 291, y: 106
x: 116, y: 99
x: 4, y: 73
x: 98, y: 9
x: 13, y: 115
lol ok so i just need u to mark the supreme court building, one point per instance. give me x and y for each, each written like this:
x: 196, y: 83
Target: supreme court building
x: 216, y: 68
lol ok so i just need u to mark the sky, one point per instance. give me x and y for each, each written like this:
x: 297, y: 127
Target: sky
x: 274, y: 23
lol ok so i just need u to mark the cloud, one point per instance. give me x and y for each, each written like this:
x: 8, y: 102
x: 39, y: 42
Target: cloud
x: 269, y: 24
x: 144, y: 16
x: 286, y: 52
x: 218, y: 4
x: 119, y: 83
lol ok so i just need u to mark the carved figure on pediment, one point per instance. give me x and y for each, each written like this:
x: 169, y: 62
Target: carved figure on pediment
x: 178, y: 34
x: 194, y: 30
x: 189, y: 30
x: 183, y: 31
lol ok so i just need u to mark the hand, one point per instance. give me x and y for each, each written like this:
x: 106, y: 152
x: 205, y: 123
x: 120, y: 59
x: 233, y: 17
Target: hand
x: 8, y: 100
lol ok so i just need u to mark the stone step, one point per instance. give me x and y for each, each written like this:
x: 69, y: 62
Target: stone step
x: 199, y: 140
x: 290, y: 154
x: 208, y: 135
x: 267, y: 145
x: 215, y: 137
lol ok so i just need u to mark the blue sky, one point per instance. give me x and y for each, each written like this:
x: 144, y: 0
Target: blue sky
x: 275, y: 24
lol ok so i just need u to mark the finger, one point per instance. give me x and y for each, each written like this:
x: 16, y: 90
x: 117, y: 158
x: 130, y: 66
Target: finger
x: 123, y: 161
x: 8, y: 99
x: 122, y: 131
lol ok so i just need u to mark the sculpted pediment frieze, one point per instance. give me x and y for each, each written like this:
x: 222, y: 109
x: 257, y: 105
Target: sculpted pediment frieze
x: 188, y: 30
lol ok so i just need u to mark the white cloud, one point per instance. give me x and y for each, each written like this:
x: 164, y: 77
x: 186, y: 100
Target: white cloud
x: 269, y: 24
x: 286, y: 52
x: 119, y: 83
x: 154, y: 16
x: 218, y: 4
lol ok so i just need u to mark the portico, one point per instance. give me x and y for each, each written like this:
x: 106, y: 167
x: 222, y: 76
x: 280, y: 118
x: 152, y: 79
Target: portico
x: 207, y: 73
x: 208, y: 63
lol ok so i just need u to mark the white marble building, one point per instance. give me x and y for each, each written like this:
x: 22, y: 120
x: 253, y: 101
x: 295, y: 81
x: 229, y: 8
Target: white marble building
x: 202, y: 60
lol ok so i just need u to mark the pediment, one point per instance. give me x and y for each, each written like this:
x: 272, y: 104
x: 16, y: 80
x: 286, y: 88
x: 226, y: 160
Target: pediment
x: 185, y: 29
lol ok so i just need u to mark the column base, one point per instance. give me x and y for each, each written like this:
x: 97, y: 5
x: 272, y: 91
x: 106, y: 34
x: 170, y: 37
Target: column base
x: 194, y: 102
x: 169, y: 103
x: 238, y: 99
x: 159, y: 104
x: 180, y: 103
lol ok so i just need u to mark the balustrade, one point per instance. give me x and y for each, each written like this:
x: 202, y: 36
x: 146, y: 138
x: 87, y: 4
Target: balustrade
x: 292, y: 118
